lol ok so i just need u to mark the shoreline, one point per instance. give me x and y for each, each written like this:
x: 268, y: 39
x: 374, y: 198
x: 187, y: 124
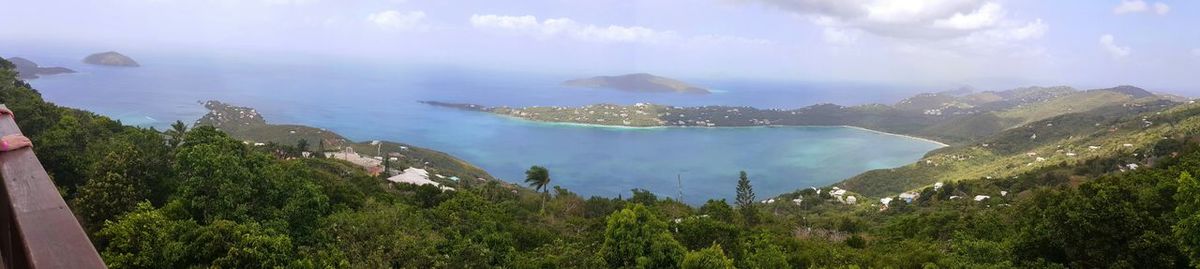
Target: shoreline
x: 593, y: 125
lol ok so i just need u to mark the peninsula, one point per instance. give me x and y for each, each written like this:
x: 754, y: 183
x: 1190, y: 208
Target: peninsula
x: 248, y: 125
x: 640, y: 82
x: 949, y: 117
x: 27, y: 69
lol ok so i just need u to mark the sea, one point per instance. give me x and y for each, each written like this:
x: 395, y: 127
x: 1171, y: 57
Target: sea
x: 378, y: 100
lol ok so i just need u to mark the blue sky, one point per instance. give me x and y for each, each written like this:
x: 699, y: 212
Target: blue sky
x: 987, y: 43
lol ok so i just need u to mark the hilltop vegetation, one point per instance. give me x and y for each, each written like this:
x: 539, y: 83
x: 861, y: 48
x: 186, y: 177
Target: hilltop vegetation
x: 199, y: 198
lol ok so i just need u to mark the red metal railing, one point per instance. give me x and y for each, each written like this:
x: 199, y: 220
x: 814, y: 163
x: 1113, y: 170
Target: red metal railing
x: 37, y: 229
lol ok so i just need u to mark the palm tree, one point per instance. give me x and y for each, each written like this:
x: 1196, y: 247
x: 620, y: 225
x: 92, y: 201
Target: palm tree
x: 539, y: 178
x: 176, y: 133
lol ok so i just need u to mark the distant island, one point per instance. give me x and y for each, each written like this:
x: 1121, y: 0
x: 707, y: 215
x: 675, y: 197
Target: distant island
x: 110, y: 58
x: 27, y: 69
x: 640, y: 82
x: 947, y: 117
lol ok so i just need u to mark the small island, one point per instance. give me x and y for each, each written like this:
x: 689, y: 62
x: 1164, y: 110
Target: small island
x: 27, y: 69
x: 110, y: 58
x: 640, y: 82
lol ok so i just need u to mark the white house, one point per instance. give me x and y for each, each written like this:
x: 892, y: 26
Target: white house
x: 909, y: 196
x: 885, y: 200
x: 981, y: 197
x: 837, y: 192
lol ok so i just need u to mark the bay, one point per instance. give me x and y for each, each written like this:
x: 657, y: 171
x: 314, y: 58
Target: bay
x: 368, y: 100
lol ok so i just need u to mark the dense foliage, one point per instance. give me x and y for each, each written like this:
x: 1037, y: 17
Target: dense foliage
x: 198, y: 198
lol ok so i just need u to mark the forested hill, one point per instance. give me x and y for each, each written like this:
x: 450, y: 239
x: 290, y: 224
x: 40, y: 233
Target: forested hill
x: 199, y: 198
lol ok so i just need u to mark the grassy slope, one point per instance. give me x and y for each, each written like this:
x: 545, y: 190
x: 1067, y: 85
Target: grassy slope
x: 1008, y: 152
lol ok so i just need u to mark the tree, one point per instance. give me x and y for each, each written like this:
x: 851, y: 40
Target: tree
x: 383, y: 236
x: 717, y: 209
x: 144, y: 238
x: 702, y: 232
x: 320, y: 154
x: 644, y: 197
x: 539, y: 178
x: 176, y: 133
x: 745, y: 199
x: 1187, y: 230
x: 124, y: 170
x: 708, y: 258
x: 302, y: 145
x: 634, y: 237
x: 387, y: 166
x: 230, y: 244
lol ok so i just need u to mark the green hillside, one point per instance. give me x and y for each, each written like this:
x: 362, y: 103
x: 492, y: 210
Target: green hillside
x: 1060, y: 140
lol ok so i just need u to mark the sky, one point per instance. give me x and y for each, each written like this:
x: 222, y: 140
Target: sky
x: 985, y: 43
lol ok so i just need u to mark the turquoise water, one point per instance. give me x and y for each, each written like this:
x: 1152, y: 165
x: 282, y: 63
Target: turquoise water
x: 372, y: 101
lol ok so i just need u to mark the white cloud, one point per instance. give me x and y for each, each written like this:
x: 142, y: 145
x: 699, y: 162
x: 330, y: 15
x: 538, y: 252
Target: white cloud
x: 1107, y: 42
x: 566, y: 27
x: 287, y: 2
x: 838, y: 36
x: 1161, y: 8
x: 964, y: 28
x: 1139, y: 6
x: 1032, y: 30
x: 904, y: 19
x: 721, y: 40
x: 505, y: 22
x: 396, y: 20
x: 1130, y: 7
x: 987, y: 15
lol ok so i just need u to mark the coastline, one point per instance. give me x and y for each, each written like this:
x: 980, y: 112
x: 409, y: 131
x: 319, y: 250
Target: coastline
x: 593, y: 125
